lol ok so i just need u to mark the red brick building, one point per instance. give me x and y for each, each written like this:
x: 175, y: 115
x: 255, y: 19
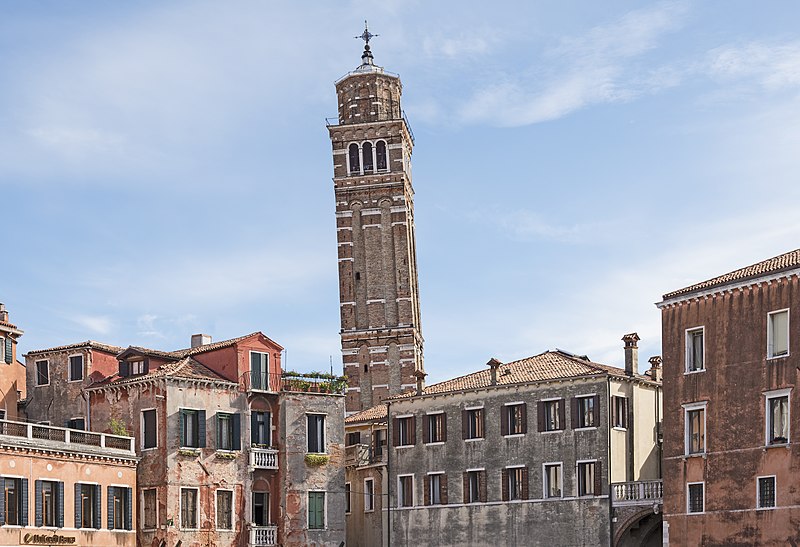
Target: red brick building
x: 731, y: 450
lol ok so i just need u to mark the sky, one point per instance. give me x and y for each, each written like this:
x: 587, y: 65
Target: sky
x: 165, y: 167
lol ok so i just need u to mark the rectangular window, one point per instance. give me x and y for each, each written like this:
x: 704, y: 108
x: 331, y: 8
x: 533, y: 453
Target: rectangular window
x: 475, y: 486
x: 514, y: 419
x: 76, y: 423
x: 473, y: 423
x: 261, y: 508
x: 316, y: 433
x: 695, y: 502
x: 261, y: 428
x: 405, y: 490
x: 778, y: 333
x: 316, y: 510
x: 16, y: 501
x: 149, y: 432
x: 585, y: 411
x: 259, y: 365
x: 224, y: 510
x: 49, y: 503
x: 119, y: 508
x: 552, y: 480
x: 619, y: 412
x: 369, y: 495
x: 87, y: 506
x: 436, y: 428
x: 42, y: 373
x: 766, y: 492
x: 137, y: 366
x: 189, y: 508
x: 193, y: 428
x: 587, y: 479
x: 405, y: 433
x: 379, y: 441
x: 777, y: 419
x: 435, y: 488
x: 695, y: 430
x: 695, y: 350
x: 75, y: 368
x: 347, y: 507
x: 353, y: 438
x: 228, y: 431
x: 149, y: 508
x: 552, y: 415
x: 516, y: 483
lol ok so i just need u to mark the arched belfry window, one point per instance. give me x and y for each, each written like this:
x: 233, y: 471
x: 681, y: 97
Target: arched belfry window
x: 355, y: 164
x: 380, y: 155
x: 366, y: 153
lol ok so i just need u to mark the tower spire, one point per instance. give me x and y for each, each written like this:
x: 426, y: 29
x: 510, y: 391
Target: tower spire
x: 366, y: 57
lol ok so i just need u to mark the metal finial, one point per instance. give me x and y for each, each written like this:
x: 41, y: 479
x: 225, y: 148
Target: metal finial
x: 366, y: 35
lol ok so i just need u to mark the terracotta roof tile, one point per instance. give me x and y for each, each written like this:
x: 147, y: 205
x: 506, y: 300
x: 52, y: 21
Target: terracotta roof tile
x: 376, y: 412
x: 186, y: 368
x: 776, y: 264
x: 90, y: 344
x: 7, y: 324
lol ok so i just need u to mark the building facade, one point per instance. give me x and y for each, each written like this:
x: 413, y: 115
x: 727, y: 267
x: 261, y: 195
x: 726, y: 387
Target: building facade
x: 66, y: 487
x: 730, y: 432
x: 372, y: 142
x: 12, y: 372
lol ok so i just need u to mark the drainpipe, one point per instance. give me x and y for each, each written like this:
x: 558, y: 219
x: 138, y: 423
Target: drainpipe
x: 389, y: 445
x: 610, y: 460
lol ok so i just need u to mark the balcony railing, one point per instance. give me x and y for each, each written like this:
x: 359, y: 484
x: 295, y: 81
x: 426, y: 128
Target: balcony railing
x: 69, y: 438
x: 362, y: 454
x: 257, y: 380
x: 274, y: 382
x: 263, y: 536
x: 637, y: 493
x: 263, y: 458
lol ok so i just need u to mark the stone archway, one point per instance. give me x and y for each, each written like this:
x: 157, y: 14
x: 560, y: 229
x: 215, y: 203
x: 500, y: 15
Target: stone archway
x: 640, y: 529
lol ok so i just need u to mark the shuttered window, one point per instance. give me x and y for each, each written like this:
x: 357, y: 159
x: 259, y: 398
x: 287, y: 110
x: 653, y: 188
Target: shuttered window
x: 149, y: 508
x: 192, y: 428
x: 472, y: 423
x: 589, y: 479
x: 514, y: 419
x: 87, y: 506
x: 260, y: 428
x: 405, y: 490
x: 316, y: 433
x: 435, y: 428
x: 551, y: 415
x: 75, y: 368
x: 229, y: 431
x: 515, y: 483
x: 316, y: 510
x: 224, y: 509
x: 261, y: 508
x: 259, y: 368
x: 404, y: 433
x: 120, y: 508
x: 149, y: 429
x: 42, y: 373
x: 49, y: 501
x: 435, y: 489
x: 189, y: 508
x: 14, y: 501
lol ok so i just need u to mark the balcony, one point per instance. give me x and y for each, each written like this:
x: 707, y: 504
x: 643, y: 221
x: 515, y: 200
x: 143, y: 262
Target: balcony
x: 257, y: 380
x: 263, y: 536
x: 359, y: 455
x: 636, y: 493
x: 61, y: 438
x: 270, y: 382
x: 263, y: 458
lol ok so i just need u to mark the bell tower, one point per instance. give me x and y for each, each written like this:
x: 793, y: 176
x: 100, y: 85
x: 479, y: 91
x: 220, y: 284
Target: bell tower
x: 378, y: 292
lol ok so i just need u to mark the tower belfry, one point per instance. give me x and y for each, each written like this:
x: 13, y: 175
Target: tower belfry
x: 378, y: 291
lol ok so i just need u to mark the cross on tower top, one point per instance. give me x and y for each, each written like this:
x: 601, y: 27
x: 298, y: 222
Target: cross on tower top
x: 366, y: 35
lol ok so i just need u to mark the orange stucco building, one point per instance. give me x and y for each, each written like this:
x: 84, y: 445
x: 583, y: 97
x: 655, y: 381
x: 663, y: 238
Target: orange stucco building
x: 12, y: 372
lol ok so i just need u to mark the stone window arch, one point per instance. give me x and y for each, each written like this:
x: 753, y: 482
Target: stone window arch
x: 353, y: 157
x: 381, y: 163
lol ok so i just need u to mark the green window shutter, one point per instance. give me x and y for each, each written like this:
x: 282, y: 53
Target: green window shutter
x: 78, y: 506
x: 236, y: 443
x: 254, y: 428
x: 24, y: 512
x: 128, y: 509
x: 2, y: 501
x: 110, y: 507
x: 60, y: 504
x: 182, y: 428
x: 98, y: 506
x: 9, y: 350
x: 38, y: 504
x: 201, y: 428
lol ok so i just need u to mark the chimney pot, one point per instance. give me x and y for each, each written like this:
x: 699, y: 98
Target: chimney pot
x: 656, y: 372
x: 3, y: 313
x: 200, y: 340
x: 494, y: 364
x: 420, y: 381
x: 631, y: 353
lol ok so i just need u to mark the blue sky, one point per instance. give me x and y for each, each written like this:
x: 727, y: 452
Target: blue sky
x: 165, y: 167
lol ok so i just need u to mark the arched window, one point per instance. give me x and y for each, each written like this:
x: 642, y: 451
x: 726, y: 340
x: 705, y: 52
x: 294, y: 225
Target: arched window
x: 380, y: 155
x: 355, y: 165
x: 366, y: 152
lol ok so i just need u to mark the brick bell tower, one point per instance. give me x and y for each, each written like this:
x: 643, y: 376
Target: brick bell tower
x: 378, y: 291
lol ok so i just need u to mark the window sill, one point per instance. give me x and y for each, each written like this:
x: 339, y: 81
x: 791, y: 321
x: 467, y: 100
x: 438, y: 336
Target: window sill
x: 766, y: 508
x: 514, y: 435
x: 473, y: 439
x: 703, y: 455
x: 405, y: 446
x: 777, y: 445
x: 435, y: 443
x: 776, y: 357
x: 687, y: 372
x: 190, y: 452
x: 619, y: 428
x: 552, y: 431
x: 587, y: 428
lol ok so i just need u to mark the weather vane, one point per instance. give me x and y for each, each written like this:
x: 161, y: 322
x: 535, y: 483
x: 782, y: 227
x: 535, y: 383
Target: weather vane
x: 366, y: 35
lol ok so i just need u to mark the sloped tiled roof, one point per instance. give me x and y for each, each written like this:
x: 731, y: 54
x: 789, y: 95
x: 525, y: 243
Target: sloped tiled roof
x: 178, y: 354
x: 550, y: 365
x: 186, y: 368
x: 776, y: 264
x: 7, y: 324
x: 376, y: 412
x: 80, y: 345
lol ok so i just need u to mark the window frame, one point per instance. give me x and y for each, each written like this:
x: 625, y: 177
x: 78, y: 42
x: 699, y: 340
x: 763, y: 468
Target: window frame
x: 774, y: 505
x: 53, y: 509
x: 436, y: 422
x: 688, y: 363
x: 594, y: 400
x: 401, y: 491
x: 20, y: 492
x: 267, y: 426
x: 266, y: 504
x: 578, y: 477
x: 476, y: 416
x: 511, y: 418
x: 265, y: 372
x: 440, y: 475
x: 232, y: 509
x: 142, y: 423
x: 553, y: 408
x: 38, y: 375
x: 619, y: 417
x: 348, y: 498
x: 511, y: 477
x: 476, y: 473
x: 689, y: 500
x: 771, y: 334
x: 183, y: 411
x: 687, y: 409
x: 321, y: 437
x: 406, y: 424
x: 196, y: 491
x: 144, y: 508
x: 768, y: 397
x: 324, y: 510
x: 95, y: 505
x: 124, y: 493
x: 369, y: 495
x: 70, y: 423
x: 546, y: 479
x: 69, y: 367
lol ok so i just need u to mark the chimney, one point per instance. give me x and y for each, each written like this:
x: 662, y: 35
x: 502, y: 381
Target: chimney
x: 3, y: 313
x: 655, y: 368
x: 494, y: 364
x: 200, y: 340
x: 631, y: 353
x: 420, y: 381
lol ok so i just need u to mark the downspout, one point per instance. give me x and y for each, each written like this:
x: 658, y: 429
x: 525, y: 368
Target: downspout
x: 610, y: 463
x: 389, y: 445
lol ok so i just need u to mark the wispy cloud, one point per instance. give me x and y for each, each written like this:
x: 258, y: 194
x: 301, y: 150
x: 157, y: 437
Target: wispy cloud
x: 96, y: 324
x: 773, y: 66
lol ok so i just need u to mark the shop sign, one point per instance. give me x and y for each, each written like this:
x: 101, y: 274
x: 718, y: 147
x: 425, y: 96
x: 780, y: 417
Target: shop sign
x: 46, y: 539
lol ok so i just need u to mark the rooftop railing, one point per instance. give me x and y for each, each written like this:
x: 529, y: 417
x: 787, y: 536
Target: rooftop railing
x: 289, y: 381
x: 62, y: 437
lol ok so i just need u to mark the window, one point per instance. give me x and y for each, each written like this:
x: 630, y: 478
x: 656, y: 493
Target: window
x: 261, y: 428
x: 778, y: 333
x: 316, y: 510
x: 189, y: 508
x: 229, y: 431
x: 369, y: 495
x: 193, y: 428
x: 353, y: 157
x: 766, y: 492
x: 586, y: 411
x: 404, y: 431
x: 589, y: 479
x: 120, y: 516
x: 472, y: 423
x: 224, y: 509
x: 42, y: 373
x: 15, y: 496
x: 76, y: 423
x: 347, y: 507
x: 261, y: 508
x: 380, y: 155
x: 366, y: 156
x: 137, y: 367
x: 435, y: 489
x: 695, y: 350
x: 379, y: 441
x: 777, y: 413
x: 87, y: 506
x: 259, y: 366
x: 49, y: 503
x: 149, y: 508
x: 551, y: 415
x: 316, y: 433
x: 405, y: 490
x: 149, y: 429
x: 75, y: 368
x: 353, y: 438
x: 695, y: 417
x: 695, y: 502
x: 619, y: 412
x: 552, y: 480
x: 515, y: 483
x: 436, y: 428
x: 475, y: 486
x: 2, y: 348
x: 514, y: 419
x: 2, y: 414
